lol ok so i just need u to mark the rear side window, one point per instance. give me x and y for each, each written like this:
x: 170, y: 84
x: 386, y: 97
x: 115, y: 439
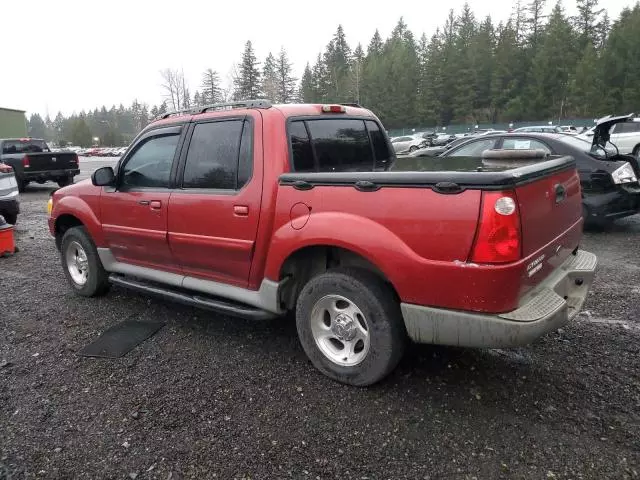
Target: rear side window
x: 524, y: 144
x: 380, y: 147
x: 337, y: 145
x: 626, y: 127
x: 301, y: 148
x: 219, y: 156
x: 474, y: 149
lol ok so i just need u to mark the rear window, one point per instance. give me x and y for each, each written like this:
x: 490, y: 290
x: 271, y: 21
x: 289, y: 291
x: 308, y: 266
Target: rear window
x: 24, y: 146
x: 338, y: 145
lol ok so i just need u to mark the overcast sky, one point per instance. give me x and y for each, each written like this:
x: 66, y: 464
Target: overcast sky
x: 71, y: 55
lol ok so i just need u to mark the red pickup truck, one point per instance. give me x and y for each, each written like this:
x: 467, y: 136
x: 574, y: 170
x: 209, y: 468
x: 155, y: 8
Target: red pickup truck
x: 256, y: 210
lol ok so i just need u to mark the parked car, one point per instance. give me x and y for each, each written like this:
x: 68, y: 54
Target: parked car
x: 569, y: 129
x: 435, y: 151
x: 407, y: 143
x: 539, y: 129
x: 205, y: 210
x: 442, y: 139
x: 610, y: 188
x: 33, y: 161
x: 625, y: 135
x: 9, y: 198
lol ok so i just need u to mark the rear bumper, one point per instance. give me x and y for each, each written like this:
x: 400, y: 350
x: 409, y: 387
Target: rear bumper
x: 622, y: 202
x: 550, y: 306
x: 49, y: 174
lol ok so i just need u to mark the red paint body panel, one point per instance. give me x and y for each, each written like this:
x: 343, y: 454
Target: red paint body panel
x: 137, y: 233
x: 210, y: 234
x: 81, y: 200
x: 421, y: 240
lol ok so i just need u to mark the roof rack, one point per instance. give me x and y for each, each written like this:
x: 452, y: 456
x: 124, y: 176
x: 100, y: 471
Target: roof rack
x: 259, y: 103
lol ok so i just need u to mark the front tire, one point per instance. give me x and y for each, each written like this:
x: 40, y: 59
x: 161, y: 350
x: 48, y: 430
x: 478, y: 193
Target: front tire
x: 350, y: 326
x: 82, y: 265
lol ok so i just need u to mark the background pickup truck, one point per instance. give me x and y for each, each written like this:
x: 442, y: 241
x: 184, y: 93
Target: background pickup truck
x: 257, y: 210
x: 33, y: 161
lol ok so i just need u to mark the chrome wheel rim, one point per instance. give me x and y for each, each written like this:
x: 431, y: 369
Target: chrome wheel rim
x: 77, y: 263
x: 340, y: 330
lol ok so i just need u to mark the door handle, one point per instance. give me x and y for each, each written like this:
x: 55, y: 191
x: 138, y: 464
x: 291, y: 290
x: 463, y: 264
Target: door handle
x: 156, y: 204
x: 143, y: 202
x: 241, y: 210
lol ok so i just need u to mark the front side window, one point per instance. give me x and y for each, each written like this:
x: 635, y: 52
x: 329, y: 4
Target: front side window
x: 215, y: 151
x: 150, y: 164
x: 338, y: 145
x: 474, y: 149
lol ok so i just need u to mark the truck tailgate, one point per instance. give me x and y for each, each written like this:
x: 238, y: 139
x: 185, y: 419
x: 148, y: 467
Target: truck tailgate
x: 548, y: 207
x: 52, y: 161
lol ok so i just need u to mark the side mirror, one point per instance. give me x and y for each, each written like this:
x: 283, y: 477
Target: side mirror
x: 103, y: 177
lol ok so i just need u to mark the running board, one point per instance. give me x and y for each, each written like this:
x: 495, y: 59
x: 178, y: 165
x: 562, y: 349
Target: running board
x: 193, y: 299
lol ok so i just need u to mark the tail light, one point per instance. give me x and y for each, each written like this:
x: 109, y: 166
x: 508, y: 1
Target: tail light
x: 499, y: 238
x: 25, y: 161
x: 334, y: 109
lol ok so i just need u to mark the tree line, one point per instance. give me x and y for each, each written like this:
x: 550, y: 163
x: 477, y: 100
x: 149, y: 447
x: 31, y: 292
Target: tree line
x: 530, y: 67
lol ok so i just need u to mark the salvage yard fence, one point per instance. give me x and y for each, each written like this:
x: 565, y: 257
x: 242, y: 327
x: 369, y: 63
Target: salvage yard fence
x: 470, y: 127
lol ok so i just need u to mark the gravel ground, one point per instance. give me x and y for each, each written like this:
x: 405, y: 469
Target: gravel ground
x: 214, y: 397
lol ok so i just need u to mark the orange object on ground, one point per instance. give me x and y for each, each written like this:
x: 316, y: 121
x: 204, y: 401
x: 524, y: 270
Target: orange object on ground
x: 7, y: 242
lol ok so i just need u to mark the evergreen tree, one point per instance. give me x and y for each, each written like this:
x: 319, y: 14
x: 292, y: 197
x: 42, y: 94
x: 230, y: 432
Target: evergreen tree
x: 552, y: 66
x: 247, y: 84
x: 355, y: 79
x: 197, y: 100
x: 586, y: 84
x: 535, y: 9
x: 210, y: 87
x: 286, y: 92
x: 587, y: 21
x: 36, y: 126
x: 307, y: 86
x: 337, y: 61
x: 270, y: 78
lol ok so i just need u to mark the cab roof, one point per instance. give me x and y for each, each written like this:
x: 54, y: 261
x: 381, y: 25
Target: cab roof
x: 286, y: 110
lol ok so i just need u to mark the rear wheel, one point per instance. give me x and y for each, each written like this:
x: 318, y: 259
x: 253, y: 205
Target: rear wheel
x: 81, y: 263
x: 63, y: 182
x: 350, y: 326
x: 11, y: 218
x: 636, y: 152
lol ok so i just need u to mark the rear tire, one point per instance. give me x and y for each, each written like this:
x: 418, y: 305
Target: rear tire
x: 82, y: 265
x: 350, y: 326
x: 11, y: 218
x: 63, y: 182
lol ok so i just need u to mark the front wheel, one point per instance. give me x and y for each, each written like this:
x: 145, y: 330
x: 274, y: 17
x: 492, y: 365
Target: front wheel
x: 81, y: 263
x: 350, y: 326
x: 413, y: 148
